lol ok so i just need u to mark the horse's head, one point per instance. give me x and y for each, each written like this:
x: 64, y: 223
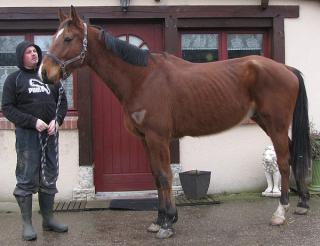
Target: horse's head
x: 68, y: 49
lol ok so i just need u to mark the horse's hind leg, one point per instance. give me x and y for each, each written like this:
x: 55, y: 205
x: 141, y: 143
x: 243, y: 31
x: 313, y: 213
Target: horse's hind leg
x: 302, y: 206
x: 281, y: 146
x: 158, y: 148
x: 279, y: 137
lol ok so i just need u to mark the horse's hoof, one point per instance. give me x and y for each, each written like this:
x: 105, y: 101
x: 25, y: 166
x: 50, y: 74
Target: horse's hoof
x: 301, y: 211
x: 277, y: 220
x: 164, y: 233
x: 154, y: 228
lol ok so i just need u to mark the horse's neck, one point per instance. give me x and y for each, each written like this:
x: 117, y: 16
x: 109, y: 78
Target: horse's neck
x: 118, y: 75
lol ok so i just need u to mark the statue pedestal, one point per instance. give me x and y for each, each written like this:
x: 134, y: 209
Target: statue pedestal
x: 85, y: 190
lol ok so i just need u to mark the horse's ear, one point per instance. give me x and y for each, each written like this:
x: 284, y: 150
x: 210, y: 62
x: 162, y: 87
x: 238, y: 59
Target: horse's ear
x: 62, y: 16
x: 74, y: 15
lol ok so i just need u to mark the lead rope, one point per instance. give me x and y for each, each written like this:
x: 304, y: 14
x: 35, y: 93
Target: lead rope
x: 44, y: 144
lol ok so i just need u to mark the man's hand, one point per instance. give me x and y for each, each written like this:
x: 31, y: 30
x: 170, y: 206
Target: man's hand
x: 52, y: 127
x: 41, y: 125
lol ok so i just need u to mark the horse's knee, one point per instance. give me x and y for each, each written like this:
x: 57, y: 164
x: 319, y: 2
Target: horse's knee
x: 164, y: 181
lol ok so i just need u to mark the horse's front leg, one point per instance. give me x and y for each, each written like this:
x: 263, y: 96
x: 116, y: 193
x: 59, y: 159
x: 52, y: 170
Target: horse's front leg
x: 156, y: 225
x: 158, y: 148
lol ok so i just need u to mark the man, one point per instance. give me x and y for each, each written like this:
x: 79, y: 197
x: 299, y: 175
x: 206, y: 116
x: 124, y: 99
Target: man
x: 31, y: 106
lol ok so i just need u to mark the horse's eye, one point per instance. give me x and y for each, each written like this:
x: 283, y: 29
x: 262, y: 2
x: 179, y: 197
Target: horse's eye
x: 67, y: 39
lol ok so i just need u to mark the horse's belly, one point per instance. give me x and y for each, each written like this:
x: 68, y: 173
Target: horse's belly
x: 210, y: 123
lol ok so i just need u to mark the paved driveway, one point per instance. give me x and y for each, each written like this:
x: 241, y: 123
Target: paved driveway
x: 237, y: 221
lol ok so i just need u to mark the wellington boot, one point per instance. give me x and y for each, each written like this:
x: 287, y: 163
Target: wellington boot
x: 49, y: 223
x: 25, y: 204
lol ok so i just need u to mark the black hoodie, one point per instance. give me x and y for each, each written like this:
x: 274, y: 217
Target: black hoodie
x: 25, y: 98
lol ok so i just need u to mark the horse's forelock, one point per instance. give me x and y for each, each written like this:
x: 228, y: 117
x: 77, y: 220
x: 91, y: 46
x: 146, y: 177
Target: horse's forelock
x: 63, y: 26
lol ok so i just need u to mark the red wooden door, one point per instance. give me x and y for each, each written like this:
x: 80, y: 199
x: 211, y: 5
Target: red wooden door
x: 120, y: 161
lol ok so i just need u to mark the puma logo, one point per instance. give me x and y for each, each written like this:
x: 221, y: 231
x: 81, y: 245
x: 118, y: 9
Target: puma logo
x: 36, y: 86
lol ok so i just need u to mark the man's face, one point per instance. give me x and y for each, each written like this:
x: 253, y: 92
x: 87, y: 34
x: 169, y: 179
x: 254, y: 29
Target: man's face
x: 30, y: 58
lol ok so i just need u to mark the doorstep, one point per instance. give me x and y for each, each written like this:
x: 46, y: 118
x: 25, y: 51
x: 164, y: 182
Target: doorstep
x: 91, y: 205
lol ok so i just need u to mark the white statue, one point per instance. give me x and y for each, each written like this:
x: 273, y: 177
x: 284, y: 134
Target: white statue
x: 272, y: 172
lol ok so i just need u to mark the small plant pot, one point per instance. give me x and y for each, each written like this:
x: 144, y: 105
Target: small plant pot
x: 314, y: 187
x: 195, y: 183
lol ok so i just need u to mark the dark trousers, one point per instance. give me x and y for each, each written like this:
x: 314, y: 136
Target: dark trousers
x: 29, y: 168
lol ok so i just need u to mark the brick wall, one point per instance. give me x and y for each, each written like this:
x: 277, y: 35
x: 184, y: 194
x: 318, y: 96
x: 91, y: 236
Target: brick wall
x: 70, y: 123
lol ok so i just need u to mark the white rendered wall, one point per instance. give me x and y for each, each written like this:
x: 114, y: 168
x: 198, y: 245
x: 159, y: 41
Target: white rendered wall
x: 234, y: 158
x: 69, y: 164
x: 302, y: 39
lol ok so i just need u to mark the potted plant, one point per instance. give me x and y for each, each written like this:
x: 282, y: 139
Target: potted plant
x: 195, y: 183
x: 314, y: 187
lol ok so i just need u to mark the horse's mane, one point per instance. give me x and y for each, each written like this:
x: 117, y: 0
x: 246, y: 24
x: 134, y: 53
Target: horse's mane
x: 127, y: 52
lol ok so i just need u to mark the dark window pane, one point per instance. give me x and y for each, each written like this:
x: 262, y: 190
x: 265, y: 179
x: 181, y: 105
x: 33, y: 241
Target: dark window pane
x: 8, y: 46
x: 200, y: 55
x: 8, y: 59
x: 241, y: 53
x: 4, y: 72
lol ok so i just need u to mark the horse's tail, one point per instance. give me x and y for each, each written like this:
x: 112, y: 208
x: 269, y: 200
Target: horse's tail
x: 300, y: 144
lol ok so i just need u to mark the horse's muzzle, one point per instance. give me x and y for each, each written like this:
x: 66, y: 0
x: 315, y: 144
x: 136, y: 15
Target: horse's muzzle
x: 45, y: 78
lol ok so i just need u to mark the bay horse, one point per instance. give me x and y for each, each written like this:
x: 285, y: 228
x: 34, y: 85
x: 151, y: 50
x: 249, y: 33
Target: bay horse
x: 165, y: 97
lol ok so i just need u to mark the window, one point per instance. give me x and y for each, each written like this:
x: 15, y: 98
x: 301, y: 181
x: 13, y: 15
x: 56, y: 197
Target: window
x: 200, y: 47
x: 214, y: 46
x: 8, y: 64
x: 134, y: 40
x: 8, y: 57
x: 244, y: 44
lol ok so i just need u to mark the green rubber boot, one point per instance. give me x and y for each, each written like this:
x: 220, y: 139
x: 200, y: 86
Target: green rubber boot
x: 25, y: 204
x: 46, y: 208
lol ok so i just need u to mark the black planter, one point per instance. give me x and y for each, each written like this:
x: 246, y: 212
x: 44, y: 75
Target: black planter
x: 195, y: 183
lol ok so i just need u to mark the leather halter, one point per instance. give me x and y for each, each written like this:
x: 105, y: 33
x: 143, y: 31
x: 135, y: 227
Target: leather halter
x: 81, y: 56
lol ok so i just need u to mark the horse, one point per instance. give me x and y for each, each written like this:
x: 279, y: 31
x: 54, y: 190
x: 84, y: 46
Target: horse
x: 165, y: 97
